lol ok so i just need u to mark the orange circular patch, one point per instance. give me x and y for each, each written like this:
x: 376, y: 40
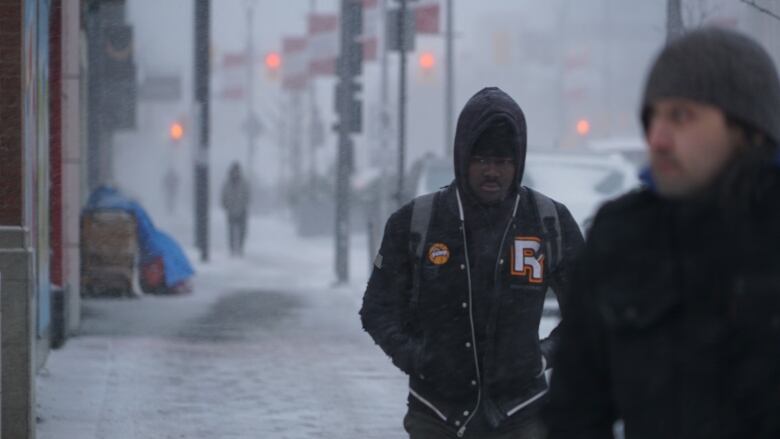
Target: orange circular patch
x: 439, y: 254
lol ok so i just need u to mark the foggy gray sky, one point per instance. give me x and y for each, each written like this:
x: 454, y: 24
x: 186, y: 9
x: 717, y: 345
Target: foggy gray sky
x: 519, y: 45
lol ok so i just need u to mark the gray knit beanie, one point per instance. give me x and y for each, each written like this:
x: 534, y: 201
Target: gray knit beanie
x: 723, y: 68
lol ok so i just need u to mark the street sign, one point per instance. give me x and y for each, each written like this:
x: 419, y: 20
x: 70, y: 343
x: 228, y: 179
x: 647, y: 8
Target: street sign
x: 392, y: 31
x: 160, y: 88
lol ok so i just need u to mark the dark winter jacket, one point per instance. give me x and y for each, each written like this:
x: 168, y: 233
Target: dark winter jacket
x: 674, y: 326
x: 471, y: 344
x: 235, y: 196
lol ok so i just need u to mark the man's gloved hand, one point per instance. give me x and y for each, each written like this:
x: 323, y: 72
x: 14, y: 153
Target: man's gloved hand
x: 408, y: 356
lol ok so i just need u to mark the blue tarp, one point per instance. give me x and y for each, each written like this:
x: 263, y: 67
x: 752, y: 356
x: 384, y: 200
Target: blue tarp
x: 152, y: 243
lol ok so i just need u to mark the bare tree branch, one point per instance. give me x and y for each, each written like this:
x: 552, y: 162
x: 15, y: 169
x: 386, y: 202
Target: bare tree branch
x: 697, y: 13
x: 761, y: 8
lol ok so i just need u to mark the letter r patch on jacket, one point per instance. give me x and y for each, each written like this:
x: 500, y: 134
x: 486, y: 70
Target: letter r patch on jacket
x: 526, y: 260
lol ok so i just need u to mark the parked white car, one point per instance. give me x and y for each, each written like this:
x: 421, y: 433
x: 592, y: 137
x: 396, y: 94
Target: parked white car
x: 583, y: 182
x: 435, y: 173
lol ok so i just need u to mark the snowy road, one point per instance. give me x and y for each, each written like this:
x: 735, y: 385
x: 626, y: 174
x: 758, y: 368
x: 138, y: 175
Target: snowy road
x: 264, y: 348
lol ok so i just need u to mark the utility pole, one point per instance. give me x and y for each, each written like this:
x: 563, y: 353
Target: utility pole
x: 296, y: 156
x: 315, y: 127
x: 449, y: 89
x: 384, y: 89
x: 401, y: 100
x: 202, y: 35
x: 349, y: 109
x: 674, y: 23
x: 315, y: 134
x: 251, y: 118
x: 378, y: 209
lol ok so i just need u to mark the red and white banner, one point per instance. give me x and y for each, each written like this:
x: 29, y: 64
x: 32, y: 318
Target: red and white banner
x: 370, y: 37
x: 232, y: 76
x: 295, y: 69
x: 579, y: 80
x: 323, y: 47
x: 426, y: 17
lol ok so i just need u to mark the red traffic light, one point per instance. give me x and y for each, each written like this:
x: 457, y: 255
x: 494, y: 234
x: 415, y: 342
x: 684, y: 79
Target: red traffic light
x: 273, y: 61
x: 583, y: 127
x: 427, y: 61
x: 176, y: 131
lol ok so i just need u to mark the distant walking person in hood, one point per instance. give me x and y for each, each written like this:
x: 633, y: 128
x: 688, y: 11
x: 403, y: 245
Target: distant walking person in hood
x: 674, y: 326
x: 235, y: 201
x: 457, y: 290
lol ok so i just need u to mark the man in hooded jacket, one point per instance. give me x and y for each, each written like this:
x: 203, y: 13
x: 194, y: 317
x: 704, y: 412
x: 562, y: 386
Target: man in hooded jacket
x: 674, y: 327
x: 235, y: 201
x: 462, y: 320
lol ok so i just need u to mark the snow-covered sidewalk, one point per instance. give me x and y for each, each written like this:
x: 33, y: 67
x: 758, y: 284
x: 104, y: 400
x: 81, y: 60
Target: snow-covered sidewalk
x: 266, y: 347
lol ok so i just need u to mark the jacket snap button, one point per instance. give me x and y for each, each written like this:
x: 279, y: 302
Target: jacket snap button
x: 473, y: 382
x: 468, y: 344
x: 466, y: 413
x: 464, y: 304
x: 501, y: 262
x: 457, y: 423
x: 462, y: 266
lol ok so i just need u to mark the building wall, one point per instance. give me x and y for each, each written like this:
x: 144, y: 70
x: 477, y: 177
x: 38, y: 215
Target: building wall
x: 11, y: 112
x: 72, y: 158
x: 10, y: 149
x: 24, y: 208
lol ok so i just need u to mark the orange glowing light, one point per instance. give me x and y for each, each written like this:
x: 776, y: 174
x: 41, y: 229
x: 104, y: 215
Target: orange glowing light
x: 583, y: 127
x: 177, y: 131
x: 427, y: 60
x: 273, y: 61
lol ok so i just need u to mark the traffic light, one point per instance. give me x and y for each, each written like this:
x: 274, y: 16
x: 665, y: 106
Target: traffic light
x: 176, y: 131
x: 583, y: 127
x: 427, y: 63
x: 351, y: 54
x: 348, y: 104
x: 117, y: 76
x: 273, y: 63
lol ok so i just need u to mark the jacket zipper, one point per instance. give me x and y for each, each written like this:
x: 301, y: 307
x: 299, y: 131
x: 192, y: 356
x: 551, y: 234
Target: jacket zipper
x: 462, y: 429
x: 503, y: 239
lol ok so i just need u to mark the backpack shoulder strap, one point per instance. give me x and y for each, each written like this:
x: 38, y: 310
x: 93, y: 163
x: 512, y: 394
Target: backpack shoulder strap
x: 422, y: 211
x: 551, y: 225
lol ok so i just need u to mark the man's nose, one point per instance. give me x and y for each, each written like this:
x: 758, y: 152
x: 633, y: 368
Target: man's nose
x: 491, y: 170
x: 659, y: 136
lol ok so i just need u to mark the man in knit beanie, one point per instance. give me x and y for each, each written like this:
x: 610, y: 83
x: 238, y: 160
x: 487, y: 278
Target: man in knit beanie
x: 673, y: 329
